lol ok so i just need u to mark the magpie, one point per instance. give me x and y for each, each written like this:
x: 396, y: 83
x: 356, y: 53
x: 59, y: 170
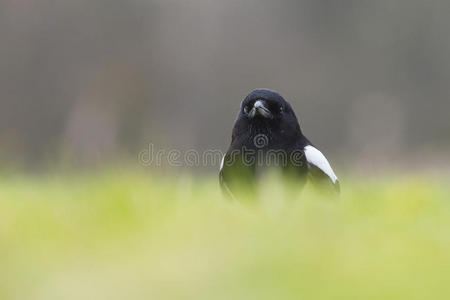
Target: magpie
x: 266, y: 134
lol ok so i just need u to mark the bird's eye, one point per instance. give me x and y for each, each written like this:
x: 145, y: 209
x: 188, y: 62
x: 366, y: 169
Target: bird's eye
x: 281, y: 109
x: 246, y: 109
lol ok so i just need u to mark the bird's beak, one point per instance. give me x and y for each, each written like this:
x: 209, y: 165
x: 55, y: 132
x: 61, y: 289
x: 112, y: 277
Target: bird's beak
x: 259, y: 108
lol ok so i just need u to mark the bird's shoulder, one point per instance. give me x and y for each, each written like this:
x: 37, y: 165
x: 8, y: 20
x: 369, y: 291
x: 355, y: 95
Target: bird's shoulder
x: 318, y: 163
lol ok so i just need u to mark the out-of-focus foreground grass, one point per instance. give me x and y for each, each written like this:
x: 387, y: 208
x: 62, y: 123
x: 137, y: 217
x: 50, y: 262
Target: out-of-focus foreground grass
x: 135, y: 236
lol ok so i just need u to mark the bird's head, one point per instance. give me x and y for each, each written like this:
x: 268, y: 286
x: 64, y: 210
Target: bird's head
x: 265, y: 110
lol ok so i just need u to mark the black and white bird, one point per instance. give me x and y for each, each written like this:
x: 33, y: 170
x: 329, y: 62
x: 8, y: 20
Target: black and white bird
x: 267, y: 134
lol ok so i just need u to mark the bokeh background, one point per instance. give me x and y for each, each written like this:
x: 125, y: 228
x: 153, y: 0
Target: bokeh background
x: 87, y: 85
x: 92, y: 81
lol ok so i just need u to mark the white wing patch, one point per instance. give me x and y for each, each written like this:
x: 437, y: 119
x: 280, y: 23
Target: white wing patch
x: 316, y: 158
x: 221, y: 163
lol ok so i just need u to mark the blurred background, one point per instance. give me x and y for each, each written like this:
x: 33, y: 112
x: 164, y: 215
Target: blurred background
x: 93, y: 81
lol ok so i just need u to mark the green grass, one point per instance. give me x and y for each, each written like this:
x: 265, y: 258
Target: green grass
x: 130, y: 235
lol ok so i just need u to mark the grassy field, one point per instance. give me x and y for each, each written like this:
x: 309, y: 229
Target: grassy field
x: 129, y: 235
